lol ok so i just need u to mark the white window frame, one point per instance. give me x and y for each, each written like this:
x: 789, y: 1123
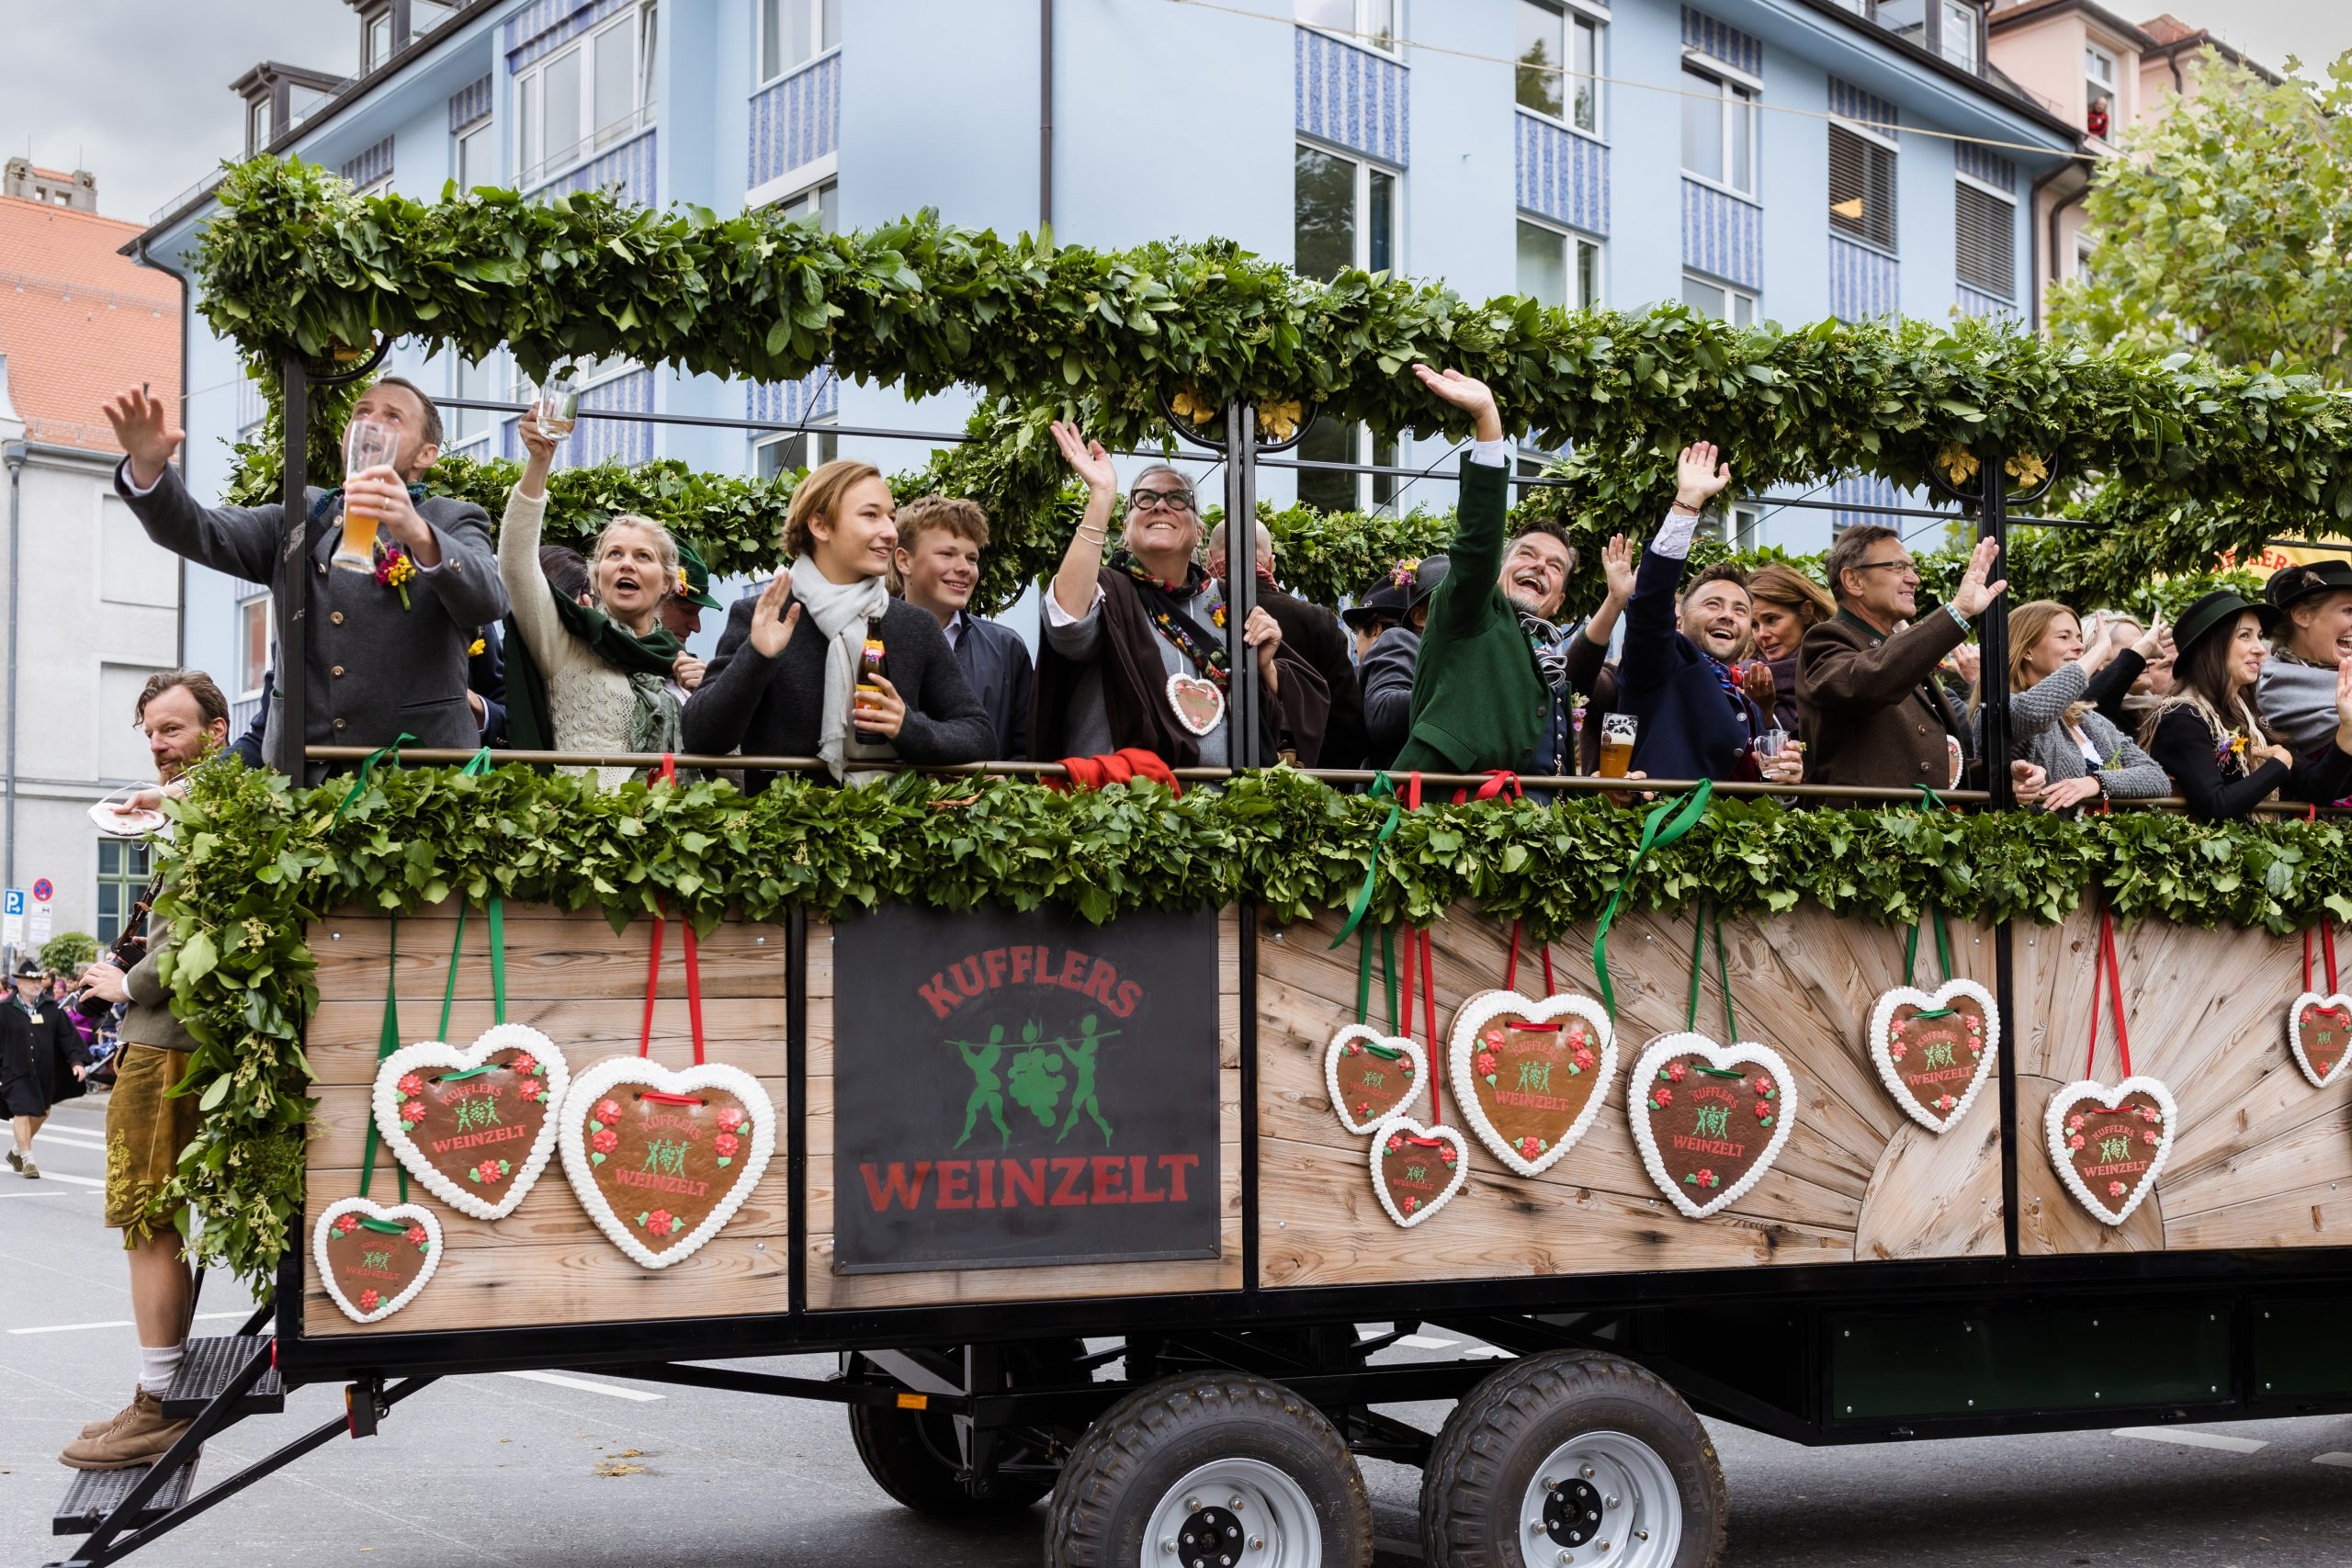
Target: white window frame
x: 1383, y: 489
x: 1972, y: 60
x: 763, y: 78
x: 2085, y: 243
x: 246, y: 607
x: 822, y: 435
x: 259, y: 122
x: 1363, y: 34
x: 811, y: 199
x: 1881, y: 140
x: 2094, y: 88
x: 1574, y: 13
x: 383, y: 20
x: 1733, y: 294
x: 632, y: 29
x: 2008, y: 199
x: 792, y: 183
x: 1574, y: 242
x: 1365, y: 168
x: 380, y: 186
x: 488, y: 376
x: 1730, y: 82
x: 482, y: 132
x: 1743, y: 523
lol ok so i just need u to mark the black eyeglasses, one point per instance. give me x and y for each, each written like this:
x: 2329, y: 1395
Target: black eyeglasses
x: 1907, y: 567
x: 1175, y: 500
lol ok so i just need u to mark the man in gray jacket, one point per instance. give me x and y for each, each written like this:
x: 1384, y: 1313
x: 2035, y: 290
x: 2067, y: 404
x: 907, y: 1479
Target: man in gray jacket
x: 386, y: 657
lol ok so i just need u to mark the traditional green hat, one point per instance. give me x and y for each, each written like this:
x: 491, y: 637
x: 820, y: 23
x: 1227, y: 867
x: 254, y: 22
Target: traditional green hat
x: 2219, y: 608
x: 694, y: 579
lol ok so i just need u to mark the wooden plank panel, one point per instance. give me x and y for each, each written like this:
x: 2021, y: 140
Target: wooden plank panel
x: 1938, y: 1195
x: 556, y: 959
x: 744, y: 1031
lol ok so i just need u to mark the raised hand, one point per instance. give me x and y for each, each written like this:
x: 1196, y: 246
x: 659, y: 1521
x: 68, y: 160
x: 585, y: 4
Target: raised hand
x: 1756, y: 680
x: 1973, y: 592
x: 775, y: 617
x: 539, y: 454
x: 143, y: 429
x: 1969, y: 661
x: 2344, y: 705
x: 1087, y: 459
x: 1699, y: 477
x: 1466, y: 393
x: 1617, y: 568
x: 382, y: 494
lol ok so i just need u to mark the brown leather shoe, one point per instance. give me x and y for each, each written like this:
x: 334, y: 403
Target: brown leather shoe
x: 139, y: 1434
x: 92, y: 1428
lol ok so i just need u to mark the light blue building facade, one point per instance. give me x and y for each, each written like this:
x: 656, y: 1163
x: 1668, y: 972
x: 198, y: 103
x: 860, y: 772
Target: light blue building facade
x: 1786, y: 160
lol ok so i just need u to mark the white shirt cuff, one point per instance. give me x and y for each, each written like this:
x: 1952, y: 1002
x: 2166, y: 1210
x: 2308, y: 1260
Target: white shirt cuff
x: 132, y: 486
x: 1058, y: 616
x: 1493, y: 454
x: 1673, y: 537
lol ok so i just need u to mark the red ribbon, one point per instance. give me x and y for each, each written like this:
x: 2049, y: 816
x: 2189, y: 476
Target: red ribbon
x: 2106, y: 967
x: 659, y: 1098
x: 2326, y: 932
x: 667, y: 773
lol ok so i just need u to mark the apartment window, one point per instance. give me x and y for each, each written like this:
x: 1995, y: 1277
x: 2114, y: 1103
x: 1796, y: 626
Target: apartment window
x: 1903, y: 19
x: 424, y: 16
x: 1956, y: 37
x: 253, y: 645
x: 257, y: 124
x: 1371, y: 22
x: 794, y: 32
x: 475, y: 160
x: 821, y: 202
x: 2098, y: 73
x: 1985, y: 229
x: 1558, y: 267
x: 588, y: 97
x: 2084, y: 248
x: 1346, y: 215
x: 794, y: 451
x: 1746, y: 526
x: 123, y: 871
x: 379, y: 41
x: 477, y: 383
x: 1559, y: 64
x: 1721, y: 300
x: 1861, y: 184
x: 1331, y: 489
x: 1719, y: 129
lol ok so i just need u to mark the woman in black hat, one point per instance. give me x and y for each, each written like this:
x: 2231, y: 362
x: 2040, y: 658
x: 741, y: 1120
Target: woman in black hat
x: 2207, y: 735
x: 40, y: 1062
x: 2296, y: 695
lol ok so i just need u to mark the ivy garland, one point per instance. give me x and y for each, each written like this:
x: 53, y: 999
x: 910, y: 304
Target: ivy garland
x: 2193, y: 459
x: 253, y: 859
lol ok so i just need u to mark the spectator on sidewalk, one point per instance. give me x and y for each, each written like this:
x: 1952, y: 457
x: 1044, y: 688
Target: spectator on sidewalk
x: 41, y: 1060
x: 387, y: 653
x: 939, y: 541
x: 1314, y: 634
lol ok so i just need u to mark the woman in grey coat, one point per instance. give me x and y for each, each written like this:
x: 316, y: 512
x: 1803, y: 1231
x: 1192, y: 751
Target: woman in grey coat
x: 2052, y: 722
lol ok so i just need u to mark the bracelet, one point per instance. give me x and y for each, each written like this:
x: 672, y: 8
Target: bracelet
x: 1954, y: 609
x: 1680, y: 509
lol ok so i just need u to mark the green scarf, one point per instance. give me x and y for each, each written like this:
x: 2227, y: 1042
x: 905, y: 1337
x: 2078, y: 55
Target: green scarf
x: 646, y: 661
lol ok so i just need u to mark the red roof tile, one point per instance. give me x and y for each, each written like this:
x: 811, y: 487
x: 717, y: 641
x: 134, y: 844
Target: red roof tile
x: 79, y: 322
x: 2168, y: 28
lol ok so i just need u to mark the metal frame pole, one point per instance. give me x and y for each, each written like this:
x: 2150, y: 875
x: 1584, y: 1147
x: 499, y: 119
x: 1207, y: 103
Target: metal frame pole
x: 293, y: 577
x: 1244, y: 701
x: 1993, y: 638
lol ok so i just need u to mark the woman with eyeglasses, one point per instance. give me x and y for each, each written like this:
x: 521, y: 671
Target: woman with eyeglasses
x: 1135, y: 651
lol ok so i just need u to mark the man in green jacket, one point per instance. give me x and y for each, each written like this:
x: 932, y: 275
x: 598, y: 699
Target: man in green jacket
x: 1479, y: 701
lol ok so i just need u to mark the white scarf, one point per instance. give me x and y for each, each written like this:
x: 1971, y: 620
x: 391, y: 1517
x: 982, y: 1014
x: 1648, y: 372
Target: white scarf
x: 841, y: 612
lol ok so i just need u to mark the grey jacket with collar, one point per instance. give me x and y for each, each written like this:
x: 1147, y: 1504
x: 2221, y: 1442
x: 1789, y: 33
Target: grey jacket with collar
x: 373, y: 670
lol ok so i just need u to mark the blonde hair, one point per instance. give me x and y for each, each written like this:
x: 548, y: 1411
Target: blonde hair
x: 2029, y: 624
x: 819, y: 495
x: 665, y: 549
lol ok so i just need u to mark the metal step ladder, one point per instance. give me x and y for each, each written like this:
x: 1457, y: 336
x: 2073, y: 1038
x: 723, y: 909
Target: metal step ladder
x: 210, y: 1365
x: 97, y: 1492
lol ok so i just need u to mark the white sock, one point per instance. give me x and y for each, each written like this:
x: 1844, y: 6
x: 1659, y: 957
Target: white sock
x: 156, y: 1365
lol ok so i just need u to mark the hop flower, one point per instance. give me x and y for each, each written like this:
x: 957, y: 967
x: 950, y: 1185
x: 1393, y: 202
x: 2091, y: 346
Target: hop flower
x: 345, y: 1223
x: 411, y: 1086
x: 607, y: 1111
x: 412, y: 1112
x: 2075, y: 1141
x: 524, y: 1064
x: 369, y: 1299
x: 416, y: 1236
x: 2115, y: 1189
x: 605, y: 1139
x: 660, y: 1222
x: 725, y: 1145
x: 1678, y: 1071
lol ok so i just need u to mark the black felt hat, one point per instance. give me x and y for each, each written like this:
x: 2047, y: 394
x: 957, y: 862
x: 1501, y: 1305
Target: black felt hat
x: 2219, y: 608
x: 1383, y: 599
x: 2292, y: 585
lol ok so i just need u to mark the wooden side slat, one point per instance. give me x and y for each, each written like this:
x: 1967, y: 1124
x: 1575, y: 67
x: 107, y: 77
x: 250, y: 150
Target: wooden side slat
x: 743, y: 1032
x: 551, y: 959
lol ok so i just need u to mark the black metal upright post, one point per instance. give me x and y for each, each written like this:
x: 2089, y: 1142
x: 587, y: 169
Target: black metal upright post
x: 1243, y: 701
x: 1992, y: 649
x: 293, y: 577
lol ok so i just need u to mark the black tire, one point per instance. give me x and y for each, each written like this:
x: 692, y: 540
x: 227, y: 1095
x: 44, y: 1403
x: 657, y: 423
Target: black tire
x: 1487, y: 1456
x: 1131, y: 1459
x: 914, y: 1454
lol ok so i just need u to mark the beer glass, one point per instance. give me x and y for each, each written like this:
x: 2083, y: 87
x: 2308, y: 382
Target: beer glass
x: 366, y: 443
x: 1618, y: 731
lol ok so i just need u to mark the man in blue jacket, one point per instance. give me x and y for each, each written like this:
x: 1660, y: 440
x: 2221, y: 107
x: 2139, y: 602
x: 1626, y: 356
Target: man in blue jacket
x: 1677, y: 674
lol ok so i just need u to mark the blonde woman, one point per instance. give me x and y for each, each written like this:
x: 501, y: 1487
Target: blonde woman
x: 582, y: 678
x: 2055, y: 723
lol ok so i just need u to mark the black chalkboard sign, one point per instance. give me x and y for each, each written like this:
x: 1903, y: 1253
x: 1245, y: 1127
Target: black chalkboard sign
x: 1011, y: 1090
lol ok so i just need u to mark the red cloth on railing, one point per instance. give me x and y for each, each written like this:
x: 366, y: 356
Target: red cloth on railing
x: 1123, y: 766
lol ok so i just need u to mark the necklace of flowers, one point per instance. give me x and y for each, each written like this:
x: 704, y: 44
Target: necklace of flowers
x: 1208, y: 657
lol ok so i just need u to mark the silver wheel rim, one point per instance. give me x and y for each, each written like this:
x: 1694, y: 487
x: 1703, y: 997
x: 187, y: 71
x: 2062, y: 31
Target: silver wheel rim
x: 1233, y: 1512
x: 1601, y: 1500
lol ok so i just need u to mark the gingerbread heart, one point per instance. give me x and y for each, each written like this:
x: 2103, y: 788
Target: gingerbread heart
x: 1417, y: 1169
x: 1200, y: 706
x: 476, y: 1123
x: 1372, y: 1076
x: 1936, y: 1049
x: 374, y: 1257
x: 1531, y: 1076
x: 2109, y: 1144
x: 2319, y: 1031
x: 662, y: 1159
x: 1709, y: 1119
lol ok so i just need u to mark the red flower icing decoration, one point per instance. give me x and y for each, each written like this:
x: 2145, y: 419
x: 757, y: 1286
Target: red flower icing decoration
x: 411, y: 1085
x: 660, y: 1222
x: 369, y: 1299
x: 725, y: 1145
x: 524, y: 1064
x: 605, y: 1139
x: 344, y: 1224
x: 608, y: 1111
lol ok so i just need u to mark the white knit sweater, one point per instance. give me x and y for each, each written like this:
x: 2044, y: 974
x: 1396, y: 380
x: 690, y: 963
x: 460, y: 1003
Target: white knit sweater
x: 589, y: 702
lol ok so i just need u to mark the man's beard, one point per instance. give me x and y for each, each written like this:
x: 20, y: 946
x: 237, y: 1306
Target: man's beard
x: 1528, y: 605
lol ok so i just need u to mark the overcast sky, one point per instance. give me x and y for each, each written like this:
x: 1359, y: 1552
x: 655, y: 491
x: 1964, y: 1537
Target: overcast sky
x: 137, y: 91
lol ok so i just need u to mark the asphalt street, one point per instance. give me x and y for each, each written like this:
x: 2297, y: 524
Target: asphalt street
x: 538, y: 1470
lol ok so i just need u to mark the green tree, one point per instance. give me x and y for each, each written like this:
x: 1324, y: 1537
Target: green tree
x: 2226, y: 228
x: 69, y: 952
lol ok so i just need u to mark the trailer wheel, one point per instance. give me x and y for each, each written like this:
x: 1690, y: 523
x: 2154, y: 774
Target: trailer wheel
x: 1573, y: 1459
x: 913, y: 1455
x: 1211, y: 1469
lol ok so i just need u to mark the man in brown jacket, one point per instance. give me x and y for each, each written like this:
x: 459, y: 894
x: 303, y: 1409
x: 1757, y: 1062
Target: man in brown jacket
x: 1867, y: 702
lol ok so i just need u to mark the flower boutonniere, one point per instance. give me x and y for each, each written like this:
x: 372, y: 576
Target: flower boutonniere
x: 394, y: 570
x: 1217, y: 615
x: 474, y: 648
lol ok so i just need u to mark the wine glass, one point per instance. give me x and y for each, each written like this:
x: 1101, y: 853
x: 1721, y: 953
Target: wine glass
x: 555, y: 405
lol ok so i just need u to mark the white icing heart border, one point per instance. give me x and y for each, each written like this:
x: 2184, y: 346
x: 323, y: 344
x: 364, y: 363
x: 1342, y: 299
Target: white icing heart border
x: 1882, y: 1018
x: 595, y: 1081
x: 2295, y: 1035
x: 1181, y: 679
x: 373, y: 1209
x: 1744, y: 1052
x: 440, y: 1054
x: 1462, y: 1044
x: 2054, y: 1123
x: 1371, y: 1036
x: 1460, y: 1167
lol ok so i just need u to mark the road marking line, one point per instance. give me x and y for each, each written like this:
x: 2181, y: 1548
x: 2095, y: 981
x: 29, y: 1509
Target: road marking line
x: 118, y: 1322
x: 38, y: 1192
x: 72, y: 1136
x: 2343, y: 1459
x: 2188, y: 1440
x: 609, y: 1391
x: 1427, y: 1342
x: 72, y: 1180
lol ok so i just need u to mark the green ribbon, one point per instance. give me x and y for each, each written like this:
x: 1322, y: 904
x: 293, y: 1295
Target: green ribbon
x: 1723, y: 971
x: 1385, y: 1052
x: 367, y: 771
x: 469, y: 1073
x: 1943, y: 937
x: 386, y: 1227
x: 1662, y: 827
x: 1383, y: 788
x: 388, y: 1040
x: 496, y: 909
